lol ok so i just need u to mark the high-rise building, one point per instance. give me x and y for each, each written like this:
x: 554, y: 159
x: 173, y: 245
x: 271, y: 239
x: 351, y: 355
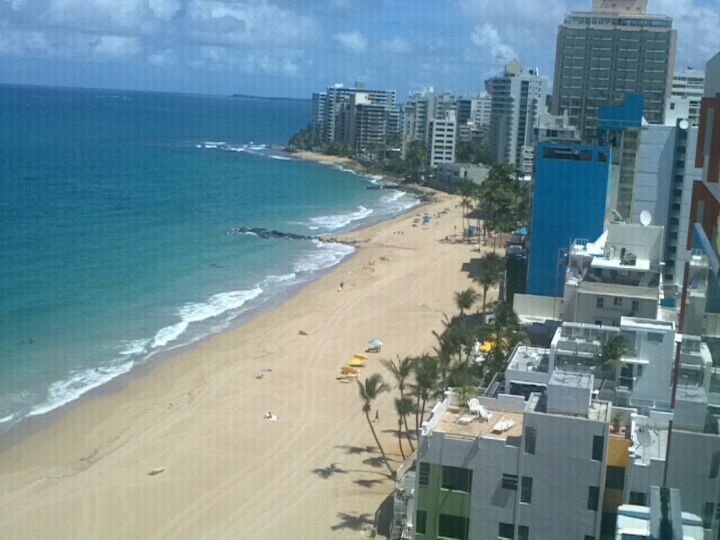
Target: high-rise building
x: 663, y: 192
x: 518, y: 99
x: 362, y: 123
x: 603, y: 55
x: 687, y: 92
x: 569, y: 201
x: 443, y: 131
x: 619, y: 127
x: 330, y: 109
x: 473, y: 116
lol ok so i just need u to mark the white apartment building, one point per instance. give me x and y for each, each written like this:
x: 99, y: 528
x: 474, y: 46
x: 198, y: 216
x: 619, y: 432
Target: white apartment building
x: 664, y: 182
x: 443, y: 133
x: 687, y: 92
x: 518, y: 98
x: 507, y: 476
x: 617, y: 275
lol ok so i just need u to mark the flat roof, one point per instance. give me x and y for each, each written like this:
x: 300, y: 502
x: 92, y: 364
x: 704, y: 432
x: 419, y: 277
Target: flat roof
x: 649, y: 442
x: 571, y: 379
x: 613, y: 289
x: 528, y: 358
x: 451, y: 424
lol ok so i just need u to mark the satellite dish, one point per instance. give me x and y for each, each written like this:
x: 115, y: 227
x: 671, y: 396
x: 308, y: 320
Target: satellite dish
x: 684, y: 124
x: 645, y: 218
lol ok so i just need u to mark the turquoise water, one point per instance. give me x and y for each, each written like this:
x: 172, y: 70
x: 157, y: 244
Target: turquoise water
x: 116, y: 212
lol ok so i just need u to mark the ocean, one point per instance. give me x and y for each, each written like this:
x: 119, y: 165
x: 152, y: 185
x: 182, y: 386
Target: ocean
x: 118, y: 218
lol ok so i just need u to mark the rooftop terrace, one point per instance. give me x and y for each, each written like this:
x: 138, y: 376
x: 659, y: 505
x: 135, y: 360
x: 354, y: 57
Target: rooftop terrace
x: 461, y: 423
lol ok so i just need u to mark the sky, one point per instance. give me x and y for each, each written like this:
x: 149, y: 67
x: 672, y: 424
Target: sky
x: 294, y: 47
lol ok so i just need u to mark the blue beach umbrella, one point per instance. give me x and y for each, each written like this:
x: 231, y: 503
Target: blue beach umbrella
x: 376, y: 343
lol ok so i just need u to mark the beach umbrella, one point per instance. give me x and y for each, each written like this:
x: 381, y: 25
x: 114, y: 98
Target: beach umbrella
x: 487, y: 347
x: 361, y: 356
x: 376, y: 343
x: 355, y: 362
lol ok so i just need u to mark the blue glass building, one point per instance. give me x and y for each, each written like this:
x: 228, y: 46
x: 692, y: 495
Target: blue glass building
x: 569, y: 203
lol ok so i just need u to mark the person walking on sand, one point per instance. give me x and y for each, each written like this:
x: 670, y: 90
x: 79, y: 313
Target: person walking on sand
x: 377, y: 416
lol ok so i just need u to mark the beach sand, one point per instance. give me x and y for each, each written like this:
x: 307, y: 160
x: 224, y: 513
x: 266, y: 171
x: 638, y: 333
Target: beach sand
x: 196, y: 420
x: 321, y: 158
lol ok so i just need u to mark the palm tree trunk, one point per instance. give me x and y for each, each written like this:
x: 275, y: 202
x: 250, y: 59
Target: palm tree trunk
x: 399, y: 434
x: 377, y: 441
x: 422, y: 412
x: 417, y: 416
x: 407, y: 433
x: 485, y: 290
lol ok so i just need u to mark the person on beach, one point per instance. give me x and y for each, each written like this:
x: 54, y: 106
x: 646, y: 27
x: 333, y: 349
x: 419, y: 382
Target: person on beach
x: 377, y: 416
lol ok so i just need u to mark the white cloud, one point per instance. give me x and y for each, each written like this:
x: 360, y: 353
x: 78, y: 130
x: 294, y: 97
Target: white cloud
x: 353, y: 42
x: 488, y: 39
x: 698, y: 28
x: 116, y: 47
x: 396, y: 46
x: 219, y: 58
x: 227, y: 22
x: 162, y: 59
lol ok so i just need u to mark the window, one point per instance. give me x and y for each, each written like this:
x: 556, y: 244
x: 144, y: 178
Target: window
x: 420, y: 521
x: 424, y: 474
x: 523, y: 532
x: 506, y: 530
x: 635, y: 305
x: 593, y: 498
x: 654, y: 337
x: 615, y: 478
x: 617, y: 301
x: 599, y: 303
x: 530, y: 437
x: 638, y: 497
x: 598, y: 447
x: 456, y: 479
x: 715, y: 465
x: 510, y: 481
x: 526, y: 490
x: 708, y: 515
x: 607, y: 524
x: 453, y: 527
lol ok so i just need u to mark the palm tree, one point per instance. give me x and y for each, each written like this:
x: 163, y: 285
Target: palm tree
x: 611, y: 355
x: 369, y: 391
x: 466, y: 205
x: 465, y: 299
x: 400, y: 371
x: 426, y: 379
x: 490, y: 273
x: 403, y: 407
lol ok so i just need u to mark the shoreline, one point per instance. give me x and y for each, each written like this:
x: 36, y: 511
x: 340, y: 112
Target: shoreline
x: 32, y: 424
x: 199, y: 416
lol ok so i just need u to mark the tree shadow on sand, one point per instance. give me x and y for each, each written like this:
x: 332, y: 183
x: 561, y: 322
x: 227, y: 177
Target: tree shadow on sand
x: 375, y: 461
x: 355, y: 522
x: 329, y: 471
x: 368, y: 483
x: 357, y: 450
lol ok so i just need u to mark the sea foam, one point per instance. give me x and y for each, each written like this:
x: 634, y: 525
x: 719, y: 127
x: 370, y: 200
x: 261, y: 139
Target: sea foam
x: 337, y: 221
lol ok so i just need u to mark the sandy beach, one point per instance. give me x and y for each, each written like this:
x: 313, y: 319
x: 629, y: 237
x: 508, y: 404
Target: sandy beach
x: 321, y: 158
x: 223, y: 471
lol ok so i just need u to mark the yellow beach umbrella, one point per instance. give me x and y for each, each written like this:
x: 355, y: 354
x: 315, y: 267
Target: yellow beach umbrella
x: 487, y: 347
x: 355, y: 362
